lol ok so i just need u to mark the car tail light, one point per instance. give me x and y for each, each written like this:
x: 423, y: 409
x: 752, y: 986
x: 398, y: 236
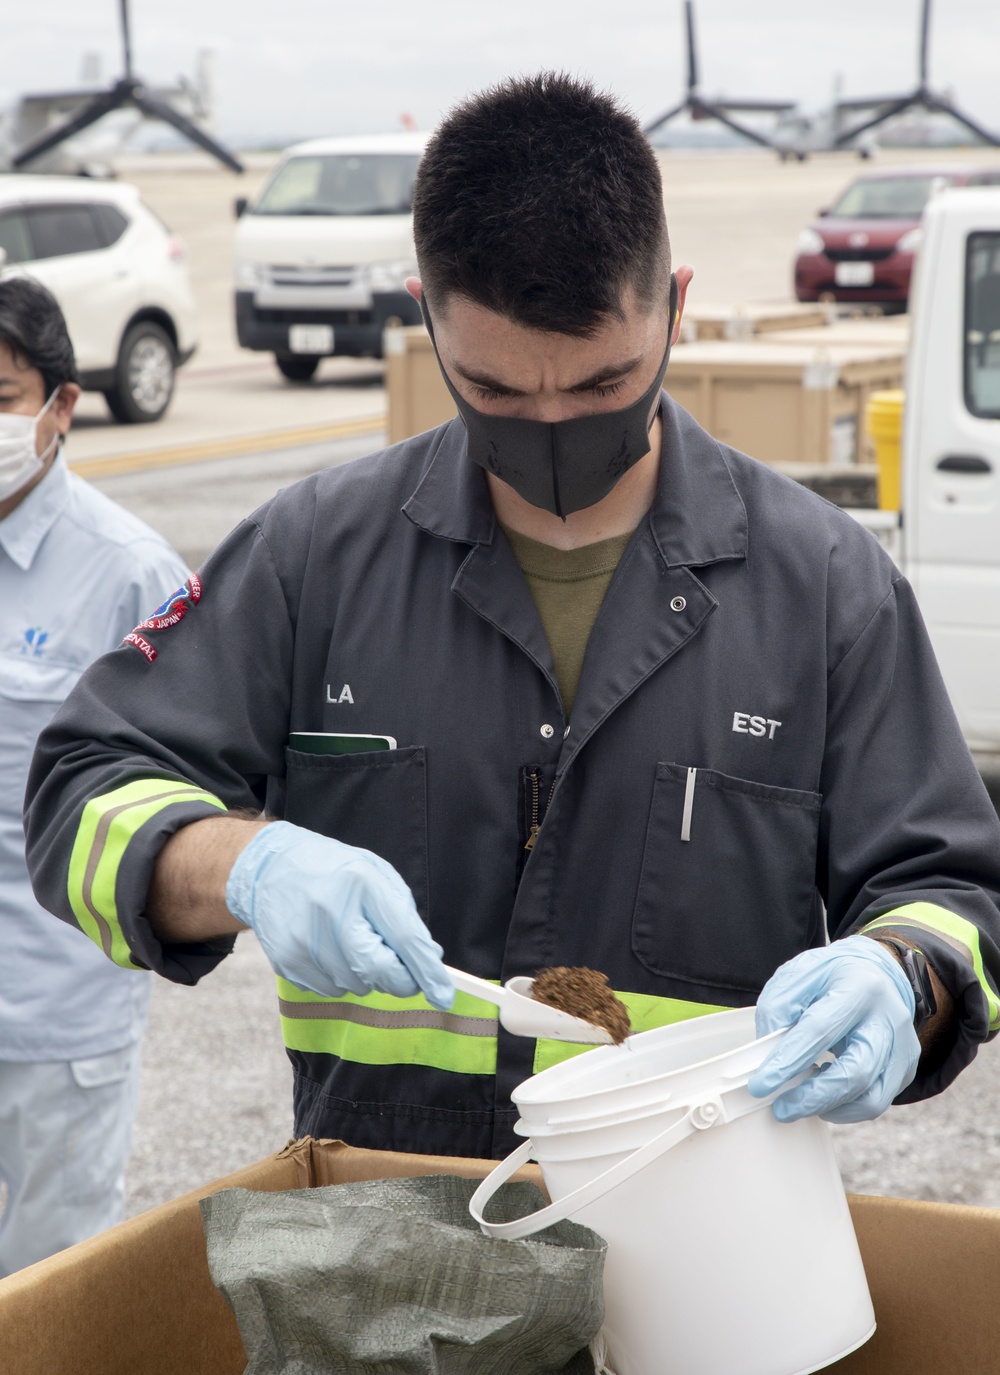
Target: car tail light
x: 176, y: 251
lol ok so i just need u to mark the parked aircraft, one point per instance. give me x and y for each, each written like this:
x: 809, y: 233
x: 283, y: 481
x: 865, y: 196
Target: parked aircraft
x: 79, y: 131
x: 921, y: 97
x: 700, y: 107
x: 795, y: 132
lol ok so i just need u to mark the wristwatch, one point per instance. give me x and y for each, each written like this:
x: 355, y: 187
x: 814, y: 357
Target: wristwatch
x: 914, y: 964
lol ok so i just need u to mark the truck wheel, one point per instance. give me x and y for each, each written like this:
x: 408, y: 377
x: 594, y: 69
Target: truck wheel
x: 297, y: 367
x: 144, y: 375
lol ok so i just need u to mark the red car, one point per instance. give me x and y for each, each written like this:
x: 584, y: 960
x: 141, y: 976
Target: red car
x: 862, y: 248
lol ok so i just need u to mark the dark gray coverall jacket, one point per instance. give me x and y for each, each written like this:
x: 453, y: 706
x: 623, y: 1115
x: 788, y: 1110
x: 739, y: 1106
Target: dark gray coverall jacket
x: 751, y: 632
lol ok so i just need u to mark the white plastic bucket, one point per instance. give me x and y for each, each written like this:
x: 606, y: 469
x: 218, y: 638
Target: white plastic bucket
x: 690, y: 1055
x: 730, y: 1245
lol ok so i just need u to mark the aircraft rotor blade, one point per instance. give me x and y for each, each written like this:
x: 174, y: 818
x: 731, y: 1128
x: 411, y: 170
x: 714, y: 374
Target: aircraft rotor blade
x: 88, y: 114
x: 880, y: 117
x: 871, y: 103
x: 126, y: 39
x: 660, y: 120
x: 692, y: 54
x: 159, y: 109
x: 764, y: 107
x: 707, y: 110
x: 945, y: 107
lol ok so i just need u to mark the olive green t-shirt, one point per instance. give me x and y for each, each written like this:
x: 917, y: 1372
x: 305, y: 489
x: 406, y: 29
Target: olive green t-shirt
x: 568, y: 587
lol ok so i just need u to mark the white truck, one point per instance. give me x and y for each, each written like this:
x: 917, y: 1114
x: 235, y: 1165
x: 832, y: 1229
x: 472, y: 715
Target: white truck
x: 946, y: 538
x: 323, y: 252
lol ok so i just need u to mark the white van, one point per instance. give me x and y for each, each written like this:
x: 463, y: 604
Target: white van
x: 946, y: 539
x: 323, y: 251
x: 951, y: 451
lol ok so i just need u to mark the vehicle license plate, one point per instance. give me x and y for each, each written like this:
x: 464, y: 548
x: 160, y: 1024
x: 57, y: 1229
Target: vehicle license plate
x: 310, y: 338
x: 854, y: 274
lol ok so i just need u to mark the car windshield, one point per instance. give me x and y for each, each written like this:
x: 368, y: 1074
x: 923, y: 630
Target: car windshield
x: 887, y: 198
x: 342, y: 184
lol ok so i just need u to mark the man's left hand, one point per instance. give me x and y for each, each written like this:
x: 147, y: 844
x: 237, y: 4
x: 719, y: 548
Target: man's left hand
x: 851, y: 998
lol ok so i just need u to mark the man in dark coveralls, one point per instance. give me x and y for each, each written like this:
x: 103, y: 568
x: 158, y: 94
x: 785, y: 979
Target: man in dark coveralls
x: 647, y: 706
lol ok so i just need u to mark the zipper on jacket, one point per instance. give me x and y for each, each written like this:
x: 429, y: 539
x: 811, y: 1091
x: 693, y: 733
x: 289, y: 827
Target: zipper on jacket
x: 535, y: 814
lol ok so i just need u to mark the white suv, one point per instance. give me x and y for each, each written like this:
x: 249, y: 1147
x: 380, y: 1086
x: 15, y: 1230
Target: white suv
x: 118, y: 274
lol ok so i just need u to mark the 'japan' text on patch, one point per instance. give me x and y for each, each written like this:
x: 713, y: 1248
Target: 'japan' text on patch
x: 173, y: 611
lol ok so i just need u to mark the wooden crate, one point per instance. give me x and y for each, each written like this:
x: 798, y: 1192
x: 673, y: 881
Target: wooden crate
x: 418, y: 397
x: 783, y: 403
x: 748, y: 321
x: 889, y: 331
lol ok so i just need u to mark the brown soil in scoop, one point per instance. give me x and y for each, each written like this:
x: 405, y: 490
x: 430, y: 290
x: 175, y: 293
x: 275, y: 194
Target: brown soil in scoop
x: 583, y: 993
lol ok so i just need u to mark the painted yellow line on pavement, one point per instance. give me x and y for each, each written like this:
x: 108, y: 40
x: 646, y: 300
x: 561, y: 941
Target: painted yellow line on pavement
x: 229, y: 448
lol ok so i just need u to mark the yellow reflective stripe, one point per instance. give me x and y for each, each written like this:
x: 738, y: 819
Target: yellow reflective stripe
x: 645, y: 1012
x: 106, y: 828
x: 378, y: 1029
x: 960, y: 934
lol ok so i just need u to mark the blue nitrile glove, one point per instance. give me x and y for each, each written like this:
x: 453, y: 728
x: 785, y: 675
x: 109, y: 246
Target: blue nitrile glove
x: 851, y: 998
x: 333, y: 918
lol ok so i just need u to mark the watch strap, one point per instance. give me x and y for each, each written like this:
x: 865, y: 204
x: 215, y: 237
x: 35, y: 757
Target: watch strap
x: 915, y: 968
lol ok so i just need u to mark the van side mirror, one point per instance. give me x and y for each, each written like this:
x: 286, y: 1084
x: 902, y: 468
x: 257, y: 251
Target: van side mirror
x: 239, y: 206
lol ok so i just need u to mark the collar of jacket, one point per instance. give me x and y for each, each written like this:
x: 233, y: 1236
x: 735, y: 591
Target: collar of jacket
x: 697, y: 516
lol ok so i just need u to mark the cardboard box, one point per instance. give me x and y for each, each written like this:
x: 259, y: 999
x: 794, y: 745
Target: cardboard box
x: 138, y: 1300
x: 784, y: 403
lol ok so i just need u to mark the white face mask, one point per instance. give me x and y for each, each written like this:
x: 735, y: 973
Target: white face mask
x: 20, y: 460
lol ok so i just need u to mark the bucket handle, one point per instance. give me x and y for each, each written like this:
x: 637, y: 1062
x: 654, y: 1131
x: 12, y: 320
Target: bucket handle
x: 707, y: 1112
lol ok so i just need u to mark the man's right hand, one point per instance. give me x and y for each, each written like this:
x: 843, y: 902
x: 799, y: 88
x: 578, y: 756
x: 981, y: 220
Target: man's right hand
x: 333, y: 918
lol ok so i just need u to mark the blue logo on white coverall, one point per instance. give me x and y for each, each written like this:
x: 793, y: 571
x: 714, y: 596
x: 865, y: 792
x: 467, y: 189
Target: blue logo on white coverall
x: 33, y: 644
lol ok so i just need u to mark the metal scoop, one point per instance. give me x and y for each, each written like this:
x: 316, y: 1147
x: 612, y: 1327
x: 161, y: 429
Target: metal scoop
x: 522, y: 1015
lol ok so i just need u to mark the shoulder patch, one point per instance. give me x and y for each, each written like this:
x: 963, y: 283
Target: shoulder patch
x: 170, y: 613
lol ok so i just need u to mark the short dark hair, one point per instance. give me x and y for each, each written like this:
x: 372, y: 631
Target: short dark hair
x: 34, y: 329
x: 540, y: 199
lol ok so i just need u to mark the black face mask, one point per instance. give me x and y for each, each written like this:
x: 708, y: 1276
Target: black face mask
x: 562, y: 465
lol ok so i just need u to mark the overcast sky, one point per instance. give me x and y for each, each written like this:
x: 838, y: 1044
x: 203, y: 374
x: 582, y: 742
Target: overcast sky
x: 292, y: 68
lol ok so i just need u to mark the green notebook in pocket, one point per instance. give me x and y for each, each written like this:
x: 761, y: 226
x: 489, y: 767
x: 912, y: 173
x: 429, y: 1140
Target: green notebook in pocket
x: 334, y: 742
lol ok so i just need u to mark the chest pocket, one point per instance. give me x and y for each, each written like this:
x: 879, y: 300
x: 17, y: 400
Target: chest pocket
x: 376, y: 800
x: 724, y: 906
x: 31, y: 680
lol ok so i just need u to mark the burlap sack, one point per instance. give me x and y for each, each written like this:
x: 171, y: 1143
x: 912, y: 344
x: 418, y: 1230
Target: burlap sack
x: 393, y: 1277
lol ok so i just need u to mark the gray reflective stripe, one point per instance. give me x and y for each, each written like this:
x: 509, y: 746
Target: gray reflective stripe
x: 905, y: 927
x: 97, y: 849
x: 415, y: 1020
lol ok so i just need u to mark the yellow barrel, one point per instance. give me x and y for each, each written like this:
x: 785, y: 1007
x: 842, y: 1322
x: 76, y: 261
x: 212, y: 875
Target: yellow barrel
x: 884, y: 422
